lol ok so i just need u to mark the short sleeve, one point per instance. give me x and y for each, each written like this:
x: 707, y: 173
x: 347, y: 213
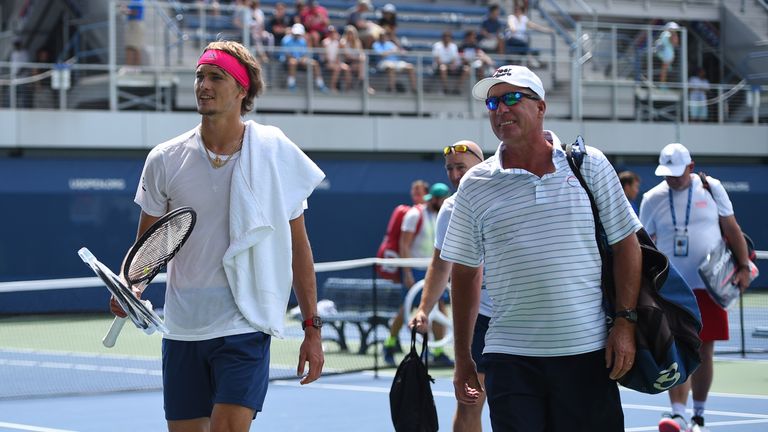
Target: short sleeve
x: 410, y: 220
x: 151, y: 194
x: 463, y: 240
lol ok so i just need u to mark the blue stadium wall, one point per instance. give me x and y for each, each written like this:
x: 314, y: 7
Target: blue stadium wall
x: 52, y: 207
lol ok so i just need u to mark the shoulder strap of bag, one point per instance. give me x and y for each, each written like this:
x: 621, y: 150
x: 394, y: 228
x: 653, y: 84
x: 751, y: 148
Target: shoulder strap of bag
x: 574, y: 153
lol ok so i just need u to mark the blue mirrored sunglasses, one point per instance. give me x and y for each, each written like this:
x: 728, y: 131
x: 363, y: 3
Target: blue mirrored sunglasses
x: 509, y: 99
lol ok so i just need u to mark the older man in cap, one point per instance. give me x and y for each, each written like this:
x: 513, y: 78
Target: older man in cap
x: 550, y: 363
x: 674, y: 209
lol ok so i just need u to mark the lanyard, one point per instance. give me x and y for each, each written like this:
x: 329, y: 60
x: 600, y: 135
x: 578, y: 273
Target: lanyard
x: 687, y: 209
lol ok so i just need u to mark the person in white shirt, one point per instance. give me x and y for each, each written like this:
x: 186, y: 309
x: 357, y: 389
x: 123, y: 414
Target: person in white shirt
x: 221, y: 316
x: 447, y: 61
x: 698, y: 85
x: 685, y: 221
x: 523, y: 218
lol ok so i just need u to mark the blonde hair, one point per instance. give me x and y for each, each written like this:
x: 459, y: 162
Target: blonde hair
x: 253, y: 67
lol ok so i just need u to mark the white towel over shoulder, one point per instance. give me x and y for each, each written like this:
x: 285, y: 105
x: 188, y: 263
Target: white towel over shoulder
x: 272, y: 179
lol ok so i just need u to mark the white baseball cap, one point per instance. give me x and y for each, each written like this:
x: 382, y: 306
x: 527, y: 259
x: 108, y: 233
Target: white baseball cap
x: 671, y: 26
x: 673, y: 160
x: 519, y: 76
x: 297, y: 29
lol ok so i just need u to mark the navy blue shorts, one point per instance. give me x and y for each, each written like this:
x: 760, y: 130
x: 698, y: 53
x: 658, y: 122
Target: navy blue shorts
x: 478, y: 341
x: 198, y: 374
x: 544, y: 394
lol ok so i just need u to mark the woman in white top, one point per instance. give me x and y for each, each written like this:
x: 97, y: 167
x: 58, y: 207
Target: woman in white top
x: 518, y: 24
x: 352, y: 53
x: 334, y: 61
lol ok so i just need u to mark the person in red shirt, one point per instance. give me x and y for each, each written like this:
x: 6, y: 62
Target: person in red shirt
x: 316, y: 21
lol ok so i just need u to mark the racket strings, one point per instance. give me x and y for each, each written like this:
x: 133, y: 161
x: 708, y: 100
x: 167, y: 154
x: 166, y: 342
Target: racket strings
x: 159, y: 247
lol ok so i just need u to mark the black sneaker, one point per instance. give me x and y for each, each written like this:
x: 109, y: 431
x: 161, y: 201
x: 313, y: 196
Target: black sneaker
x: 441, y: 361
x: 697, y: 424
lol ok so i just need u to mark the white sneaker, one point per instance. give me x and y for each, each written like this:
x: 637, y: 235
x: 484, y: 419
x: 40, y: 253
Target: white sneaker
x: 673, y: 423
x: 697, y: 424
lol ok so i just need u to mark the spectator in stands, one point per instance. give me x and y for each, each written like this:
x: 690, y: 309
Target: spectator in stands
x: 316, y: 21
x: 353, y: 54
x: 517, y: 34
x: 630, y: 182
x: 492, y: 31
x: 687, y: 221
x: 280, y: 23
x: 250, y: 16
x: 368, y: 31
x: 134, y: 31
x: 388, y: 21
x: 447, y: 61
x: 334, y: 62
x: 698, y: 85
x: 295, y: 54
x: 43, y: 96
x: 298, y: 10
x: 474, y: 57
x: 665, y: 47
x: 20, y: 54
x: 391, y: 62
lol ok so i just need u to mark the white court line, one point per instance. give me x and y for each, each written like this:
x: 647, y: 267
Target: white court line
x: 22, y: 427
x: 84, y: 367
x: 349, y: 387
x: 761, y: 417
x: 655, y: 428
x: 724, y: 395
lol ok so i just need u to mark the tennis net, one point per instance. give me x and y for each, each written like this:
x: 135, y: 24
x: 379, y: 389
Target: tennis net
x: 51, y: 332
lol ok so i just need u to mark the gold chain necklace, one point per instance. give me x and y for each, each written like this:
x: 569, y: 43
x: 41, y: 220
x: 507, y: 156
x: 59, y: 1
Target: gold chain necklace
x: 217, y: 162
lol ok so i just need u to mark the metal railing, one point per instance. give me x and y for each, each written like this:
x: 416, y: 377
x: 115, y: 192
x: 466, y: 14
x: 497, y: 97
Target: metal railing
x: 611, y: 73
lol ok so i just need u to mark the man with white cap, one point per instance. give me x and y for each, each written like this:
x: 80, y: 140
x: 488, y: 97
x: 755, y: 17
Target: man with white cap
x: 295, y: 53
x: 550, y: 364
x: 672, y: 212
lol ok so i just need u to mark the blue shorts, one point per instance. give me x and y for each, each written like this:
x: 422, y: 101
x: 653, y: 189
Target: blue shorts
x: 199, y: 374
x: 478, y: 341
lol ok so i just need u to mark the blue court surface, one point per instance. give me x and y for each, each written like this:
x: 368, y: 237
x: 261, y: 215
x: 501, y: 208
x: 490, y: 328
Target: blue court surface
x: 335, y: 403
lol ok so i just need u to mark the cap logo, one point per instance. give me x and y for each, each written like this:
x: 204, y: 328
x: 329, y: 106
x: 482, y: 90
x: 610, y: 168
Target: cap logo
x: 500, y: 72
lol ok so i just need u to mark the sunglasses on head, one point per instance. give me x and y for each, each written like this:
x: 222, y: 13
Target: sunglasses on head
x: 459, y: 148
x: 509, y: 99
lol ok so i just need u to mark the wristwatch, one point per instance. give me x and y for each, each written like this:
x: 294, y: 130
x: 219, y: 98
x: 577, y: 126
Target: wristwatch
x: 628, y: 314
x: 315, y: 322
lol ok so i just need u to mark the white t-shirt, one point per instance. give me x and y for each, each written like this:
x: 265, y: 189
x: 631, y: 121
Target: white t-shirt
x: 441, y: 227
x: 448, y: 55
x: 198, y: 301
x: 536, y: 237
x: 518, y: 27
x: 703, y: 227
x: 424, y: 240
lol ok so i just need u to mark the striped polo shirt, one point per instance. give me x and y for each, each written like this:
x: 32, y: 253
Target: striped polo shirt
x: 536, y: 236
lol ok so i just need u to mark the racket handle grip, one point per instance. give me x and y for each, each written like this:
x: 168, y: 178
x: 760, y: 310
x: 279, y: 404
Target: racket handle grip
x: 111, y: 337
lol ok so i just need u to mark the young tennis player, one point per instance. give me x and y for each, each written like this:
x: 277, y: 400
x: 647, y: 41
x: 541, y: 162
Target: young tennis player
x: 228, y: 288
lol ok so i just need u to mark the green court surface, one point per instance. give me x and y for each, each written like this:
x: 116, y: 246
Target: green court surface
x: 749, y: 377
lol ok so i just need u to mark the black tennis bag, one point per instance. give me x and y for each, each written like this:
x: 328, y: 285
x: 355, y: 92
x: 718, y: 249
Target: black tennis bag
x: 410, y: 398
x: 668, y: 318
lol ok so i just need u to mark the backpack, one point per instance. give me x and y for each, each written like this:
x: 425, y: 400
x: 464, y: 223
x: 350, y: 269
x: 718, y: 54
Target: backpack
x: 410, y: 399
x: 390, y: 244
x: 669, y: 322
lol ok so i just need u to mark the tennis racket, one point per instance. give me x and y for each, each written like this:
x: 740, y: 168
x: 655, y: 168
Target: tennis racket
x: 150, y: 254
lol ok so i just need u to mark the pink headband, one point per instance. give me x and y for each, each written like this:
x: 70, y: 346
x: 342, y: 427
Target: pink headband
x: 228, y: 63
